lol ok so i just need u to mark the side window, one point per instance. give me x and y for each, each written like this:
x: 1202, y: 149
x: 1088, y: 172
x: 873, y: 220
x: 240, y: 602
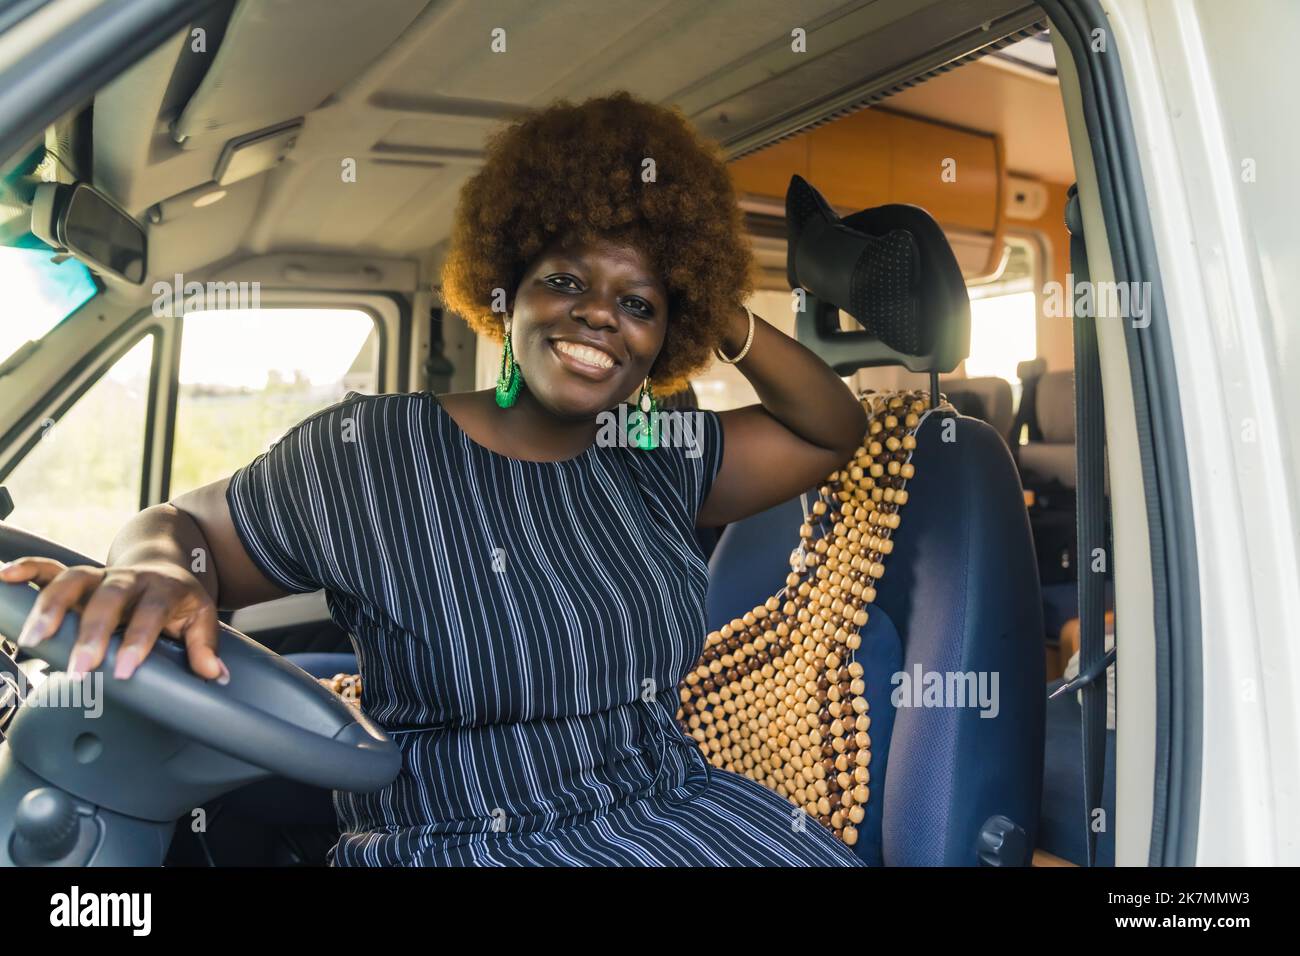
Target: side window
x: 248, y: 375
x: 720, y: 386
x: 81, y: 482
x: 1004, y: 318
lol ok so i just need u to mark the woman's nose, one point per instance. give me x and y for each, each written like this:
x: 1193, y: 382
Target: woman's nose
x: 596, y: 312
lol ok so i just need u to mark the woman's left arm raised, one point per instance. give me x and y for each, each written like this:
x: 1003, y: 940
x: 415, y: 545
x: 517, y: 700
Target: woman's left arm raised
x: 808, y: 425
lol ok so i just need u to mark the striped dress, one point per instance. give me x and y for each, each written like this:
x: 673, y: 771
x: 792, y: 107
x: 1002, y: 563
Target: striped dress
x: 521, y: 628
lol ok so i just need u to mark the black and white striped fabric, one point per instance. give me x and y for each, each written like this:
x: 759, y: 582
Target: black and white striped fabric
x: 521, y: 628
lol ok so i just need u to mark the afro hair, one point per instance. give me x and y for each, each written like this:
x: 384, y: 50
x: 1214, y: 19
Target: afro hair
x: 614, y: 168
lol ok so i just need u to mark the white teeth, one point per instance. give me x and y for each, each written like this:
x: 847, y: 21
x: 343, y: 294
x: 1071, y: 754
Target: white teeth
x: 585, y: 353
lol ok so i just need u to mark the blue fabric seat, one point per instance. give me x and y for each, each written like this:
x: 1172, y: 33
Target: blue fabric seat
x: 1061, y: 602
x: 960, y: 594
x: 1061, y: 829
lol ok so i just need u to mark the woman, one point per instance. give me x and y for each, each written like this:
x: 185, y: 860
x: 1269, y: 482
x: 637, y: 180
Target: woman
x: 524, y: 594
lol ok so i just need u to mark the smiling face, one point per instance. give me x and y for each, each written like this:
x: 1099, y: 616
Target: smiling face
x: 588, y: 322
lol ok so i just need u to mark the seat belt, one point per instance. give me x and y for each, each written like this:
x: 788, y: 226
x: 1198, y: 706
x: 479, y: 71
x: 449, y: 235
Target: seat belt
x: 1090, y: 463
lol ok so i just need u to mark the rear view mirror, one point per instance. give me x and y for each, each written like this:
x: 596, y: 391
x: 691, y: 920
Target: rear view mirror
x: 83, y: 221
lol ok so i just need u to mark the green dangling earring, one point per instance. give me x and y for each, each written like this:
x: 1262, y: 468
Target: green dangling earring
x: 643, y: 422
x: 509, y: 378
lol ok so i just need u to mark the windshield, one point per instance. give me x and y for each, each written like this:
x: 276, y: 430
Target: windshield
x: 38, y: 294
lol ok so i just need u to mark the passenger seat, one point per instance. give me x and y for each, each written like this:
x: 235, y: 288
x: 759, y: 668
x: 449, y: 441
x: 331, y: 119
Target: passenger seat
x: 949, y: 787
x: 1050, y: 462
x: 1047, y: 468
x: 987, y: 398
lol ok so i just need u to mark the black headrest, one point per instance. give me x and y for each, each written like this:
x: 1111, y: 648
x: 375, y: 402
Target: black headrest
x: 891, y: 268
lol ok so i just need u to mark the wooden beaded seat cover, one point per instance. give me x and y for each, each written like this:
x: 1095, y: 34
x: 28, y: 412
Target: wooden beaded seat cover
x: 777, y: 695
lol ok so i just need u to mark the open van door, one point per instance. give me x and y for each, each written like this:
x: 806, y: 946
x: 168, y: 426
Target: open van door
x: 1173, y: 143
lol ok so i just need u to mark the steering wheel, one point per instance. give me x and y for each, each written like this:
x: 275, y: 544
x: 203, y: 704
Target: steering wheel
x: 272, y: 714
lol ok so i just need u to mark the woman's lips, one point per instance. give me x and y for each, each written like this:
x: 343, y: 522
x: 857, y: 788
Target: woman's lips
x: 576, y: 365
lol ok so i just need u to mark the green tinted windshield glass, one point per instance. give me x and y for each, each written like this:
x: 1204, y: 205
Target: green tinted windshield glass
x: 36, y: 294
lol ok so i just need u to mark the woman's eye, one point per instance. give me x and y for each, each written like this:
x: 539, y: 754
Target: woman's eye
x: 639, y: 307
x: 559, y: 282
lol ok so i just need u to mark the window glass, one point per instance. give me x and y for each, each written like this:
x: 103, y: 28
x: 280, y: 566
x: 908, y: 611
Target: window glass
x: 248, y: 375
x: 1004, y: 318
x: 720, y: 386
x: 38, y: 294
x: 1003, y: 333
x: 81, y: 482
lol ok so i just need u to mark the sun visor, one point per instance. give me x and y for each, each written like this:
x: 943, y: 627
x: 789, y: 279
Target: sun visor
x: 280, y: 59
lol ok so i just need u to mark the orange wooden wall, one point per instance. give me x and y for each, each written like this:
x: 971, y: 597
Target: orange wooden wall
x: 874, y: 157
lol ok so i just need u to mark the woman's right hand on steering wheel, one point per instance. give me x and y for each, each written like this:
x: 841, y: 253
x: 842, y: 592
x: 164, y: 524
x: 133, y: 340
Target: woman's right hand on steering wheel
x: 149, y: 599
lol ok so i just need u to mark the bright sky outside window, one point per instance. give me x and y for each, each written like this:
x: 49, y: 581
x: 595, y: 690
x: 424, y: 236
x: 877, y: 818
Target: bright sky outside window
x: 38, y: 294
x: 1004, y: 317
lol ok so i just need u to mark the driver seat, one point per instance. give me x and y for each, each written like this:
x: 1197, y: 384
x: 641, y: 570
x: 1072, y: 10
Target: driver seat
x: 950, y: 785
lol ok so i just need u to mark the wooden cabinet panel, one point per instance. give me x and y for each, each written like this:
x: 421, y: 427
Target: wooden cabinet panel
x: 850, y: 162
x: 954, y: 173
x: 768, y: 172
x: 874, y: 157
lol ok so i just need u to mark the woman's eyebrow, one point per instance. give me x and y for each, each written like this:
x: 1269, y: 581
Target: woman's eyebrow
x: 556, y: 260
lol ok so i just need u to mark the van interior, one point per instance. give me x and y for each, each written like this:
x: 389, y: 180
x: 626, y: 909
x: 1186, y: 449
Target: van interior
x: 304, y: 159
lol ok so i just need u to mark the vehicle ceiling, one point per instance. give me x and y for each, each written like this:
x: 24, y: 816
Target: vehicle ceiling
x: 409, y: 89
